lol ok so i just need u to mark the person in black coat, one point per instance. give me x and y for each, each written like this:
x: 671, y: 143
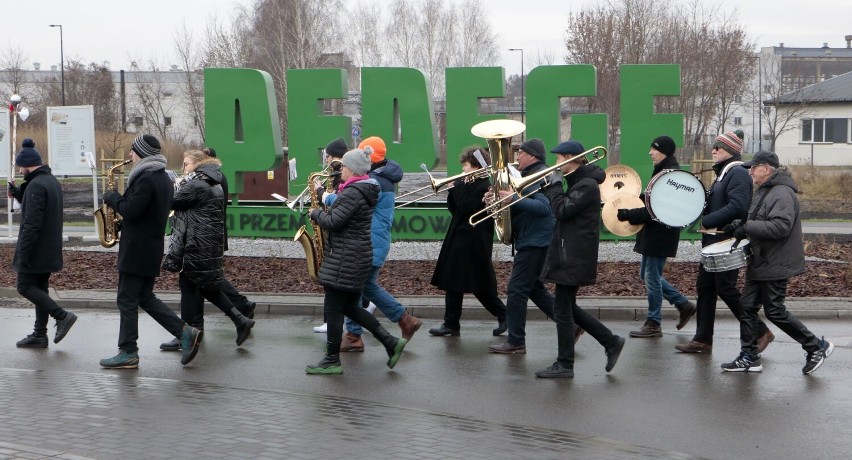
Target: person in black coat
x: 193, y: 299
x: 729, y: 198
x: 39, y: 249
x: 464, y: 263
x: 144, y: 208
x: 347, y: 261
x: 656, y: 242
x: 572, y: 257
x: 196, y: 247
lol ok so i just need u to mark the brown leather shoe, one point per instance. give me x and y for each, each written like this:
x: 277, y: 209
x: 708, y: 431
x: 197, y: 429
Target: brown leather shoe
x: 578, y: 331
x: 351, y: 342
x: 687, y: 310
x: 764, y: 340
x: 507, y: 348
x: 648, y: 330
x: 408, y: 325
x: 695, y: 347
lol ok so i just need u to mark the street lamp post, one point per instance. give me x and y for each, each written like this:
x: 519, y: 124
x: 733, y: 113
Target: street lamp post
x: 61, y: 60
x: 523, y: 113
x: 759, y: 103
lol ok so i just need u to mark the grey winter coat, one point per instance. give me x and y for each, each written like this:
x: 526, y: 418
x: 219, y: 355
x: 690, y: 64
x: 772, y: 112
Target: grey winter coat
x: 348, y: 252
x: 572, y: 257
x: 197, y: 243
x: 39, y: 248
x: 775, y: 230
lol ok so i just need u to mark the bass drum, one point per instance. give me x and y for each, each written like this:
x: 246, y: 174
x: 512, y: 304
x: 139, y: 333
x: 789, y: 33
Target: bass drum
x: 675, y: 198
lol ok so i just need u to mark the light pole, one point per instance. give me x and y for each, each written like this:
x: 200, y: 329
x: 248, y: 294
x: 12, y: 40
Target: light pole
x: 523, y: 117
x: 759, y: 103
x: 61, y: 60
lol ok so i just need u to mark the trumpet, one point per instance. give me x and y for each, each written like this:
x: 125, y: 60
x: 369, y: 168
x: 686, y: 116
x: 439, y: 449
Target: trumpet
x: 438, y: 185
x: 520, y: 185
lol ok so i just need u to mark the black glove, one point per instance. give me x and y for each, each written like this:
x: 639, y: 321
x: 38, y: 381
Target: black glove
x: 622, y: 215
x: 740, y: 232
x: 13, y: 191
x: 171, y: 264
x: 730, y: 228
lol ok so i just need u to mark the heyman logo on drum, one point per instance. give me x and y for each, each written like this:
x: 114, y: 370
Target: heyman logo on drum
x: 679, y: 186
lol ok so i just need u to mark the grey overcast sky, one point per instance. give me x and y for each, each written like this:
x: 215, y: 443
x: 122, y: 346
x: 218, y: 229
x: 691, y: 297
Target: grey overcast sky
x: 116, y: 30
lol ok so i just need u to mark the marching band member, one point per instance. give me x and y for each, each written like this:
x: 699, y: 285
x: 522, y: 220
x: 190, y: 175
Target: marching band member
x: 38, y: 252
x: 347, y: 258
x: 774, y: 230
x: 656, y: 242
x: 572, y: 257
x: 532, y: 228
x: 196, y: 246
x: 729, y: 199
x: 144, y: 208
x: 464, y: 263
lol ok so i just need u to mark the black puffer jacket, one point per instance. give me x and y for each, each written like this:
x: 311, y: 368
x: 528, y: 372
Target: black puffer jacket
x: 775, y: 230
x: 198, y: 238
x: 39, y: 248
x: 729, y: 199
x: 572, y: 257
x: 655, y: 239
x: 348, y: 252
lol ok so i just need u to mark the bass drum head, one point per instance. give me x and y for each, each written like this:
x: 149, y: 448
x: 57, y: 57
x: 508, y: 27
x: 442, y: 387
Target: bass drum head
x: 609, y: 215
x: 620, y: 179
x: 675, y: 198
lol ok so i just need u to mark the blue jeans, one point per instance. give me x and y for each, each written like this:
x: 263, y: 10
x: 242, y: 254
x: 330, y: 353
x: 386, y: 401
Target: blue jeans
x: 385, y: 302
x: 651, y: 271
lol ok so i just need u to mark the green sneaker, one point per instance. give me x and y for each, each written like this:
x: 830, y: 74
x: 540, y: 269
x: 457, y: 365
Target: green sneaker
x: 190, y: 339
x: 123, y: 360
x: 396, y: 353
x: 329, y: 365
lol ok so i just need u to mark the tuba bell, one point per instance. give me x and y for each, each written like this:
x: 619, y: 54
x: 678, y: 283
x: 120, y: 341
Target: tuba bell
x: 107, y: 220
x: 498, y: 134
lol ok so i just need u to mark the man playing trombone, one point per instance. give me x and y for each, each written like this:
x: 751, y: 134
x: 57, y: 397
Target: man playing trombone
x: 572, y: 258
x: 532, y: 227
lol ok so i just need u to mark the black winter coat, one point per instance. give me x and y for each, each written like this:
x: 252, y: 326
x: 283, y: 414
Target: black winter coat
x: 655, y: 239
x: 144, y: 208
x: 572, y: 257
x: 39, y: 248
x: 728, y: 199
x: 464, y: 263
x: 197, y: 242
x: 775, y: 231
x: 348, y: 252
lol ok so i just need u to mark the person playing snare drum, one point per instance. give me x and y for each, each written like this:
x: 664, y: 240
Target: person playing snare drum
x: 729, y: 199
x: 656, y: 242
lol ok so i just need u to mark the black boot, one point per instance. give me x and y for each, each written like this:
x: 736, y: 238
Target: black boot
x: 393, y: 345
x: 330, y: 363
x: 243, y: 323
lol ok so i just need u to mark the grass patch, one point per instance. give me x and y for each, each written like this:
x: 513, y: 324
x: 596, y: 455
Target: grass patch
x: 822, y: 183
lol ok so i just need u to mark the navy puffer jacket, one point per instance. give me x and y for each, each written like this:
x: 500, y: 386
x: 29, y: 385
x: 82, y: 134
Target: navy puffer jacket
x: 197, y: 243
x: 348, y: 252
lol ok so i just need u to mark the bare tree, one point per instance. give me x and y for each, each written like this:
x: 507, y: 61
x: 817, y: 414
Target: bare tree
x: 13, y: 63
x: 782, y: 108
x: 154, y: 100
x: 365, y: 42
x: 192, y: 83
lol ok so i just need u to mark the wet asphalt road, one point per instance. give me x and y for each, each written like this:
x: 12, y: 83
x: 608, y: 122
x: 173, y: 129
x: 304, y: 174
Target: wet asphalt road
x: 655, y: 398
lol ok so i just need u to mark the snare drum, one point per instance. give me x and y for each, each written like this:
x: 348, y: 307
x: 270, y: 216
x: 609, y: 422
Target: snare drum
x: 675, y: 198
x: 719, y: 257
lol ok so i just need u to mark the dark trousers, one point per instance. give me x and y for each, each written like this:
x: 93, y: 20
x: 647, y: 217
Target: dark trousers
x: 136, y: 291
x: 453, y: 307
x: 771, y: 295
x: 338, y: 303
x: 240, y: 301
x: 524, y: 285
x: 33, y: 287
x: 567, y: 313
x: 192, y: 301
x: 709, y: 286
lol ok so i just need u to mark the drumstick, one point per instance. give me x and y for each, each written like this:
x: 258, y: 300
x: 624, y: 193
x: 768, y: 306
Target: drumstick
x: 711, y: 231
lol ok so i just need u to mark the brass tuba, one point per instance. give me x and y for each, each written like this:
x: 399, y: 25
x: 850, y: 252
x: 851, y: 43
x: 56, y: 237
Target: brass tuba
x: 107, y: 220
x: 313, y: 245
x: 499, y: 135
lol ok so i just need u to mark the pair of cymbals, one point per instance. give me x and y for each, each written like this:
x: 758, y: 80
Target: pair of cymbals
x: 620, y: 190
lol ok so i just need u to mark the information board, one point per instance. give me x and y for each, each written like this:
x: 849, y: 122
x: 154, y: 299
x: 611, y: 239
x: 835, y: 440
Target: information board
x: 70, y: 134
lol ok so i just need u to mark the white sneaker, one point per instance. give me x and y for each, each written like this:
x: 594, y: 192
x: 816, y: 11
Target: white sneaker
x: 371, y: 308
x: 321, y: 329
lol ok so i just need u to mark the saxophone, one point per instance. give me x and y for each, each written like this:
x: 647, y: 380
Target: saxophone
x: 313, y: 245
x: 106, y: 219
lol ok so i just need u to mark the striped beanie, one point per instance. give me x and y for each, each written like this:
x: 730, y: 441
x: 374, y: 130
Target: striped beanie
x: 730, y: 142
x: 145, y: 145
